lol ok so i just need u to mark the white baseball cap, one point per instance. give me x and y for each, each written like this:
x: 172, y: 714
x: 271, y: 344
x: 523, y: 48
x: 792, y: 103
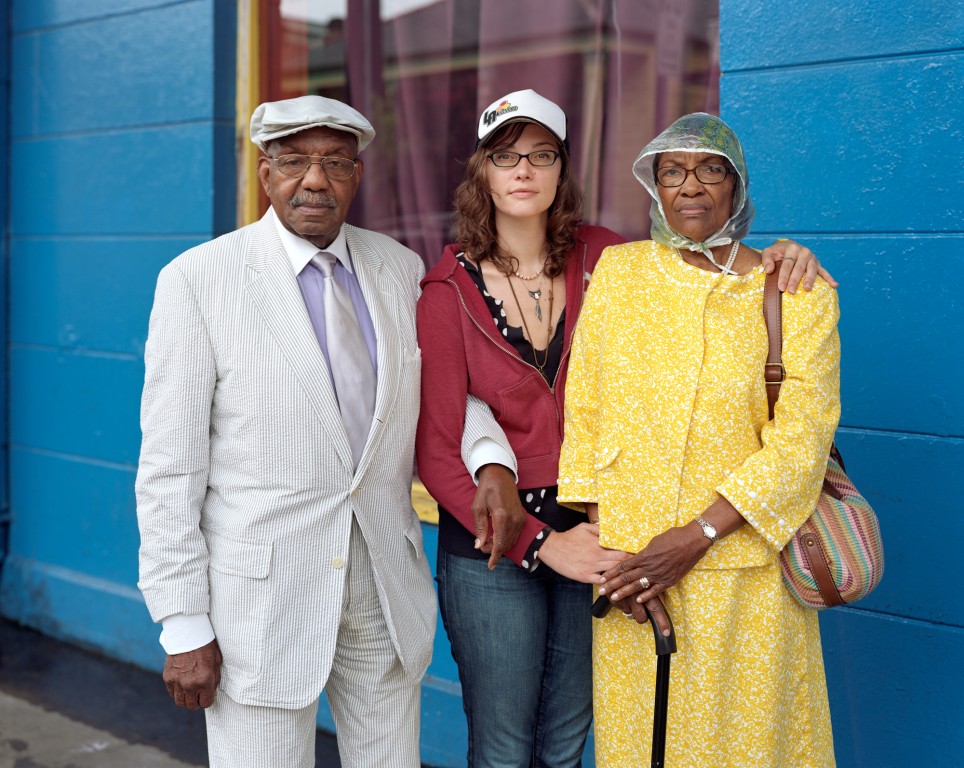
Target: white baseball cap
x: 275, y: 119
x: 523, y: 107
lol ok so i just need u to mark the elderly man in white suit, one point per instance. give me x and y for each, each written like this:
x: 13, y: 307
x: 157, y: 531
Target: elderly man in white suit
x: 279, y: 547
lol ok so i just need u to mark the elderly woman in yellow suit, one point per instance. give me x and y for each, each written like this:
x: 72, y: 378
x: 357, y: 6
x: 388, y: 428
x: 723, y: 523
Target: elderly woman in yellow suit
x: 669, y: 444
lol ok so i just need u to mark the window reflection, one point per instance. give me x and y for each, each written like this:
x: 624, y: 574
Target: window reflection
x: 421, y: 70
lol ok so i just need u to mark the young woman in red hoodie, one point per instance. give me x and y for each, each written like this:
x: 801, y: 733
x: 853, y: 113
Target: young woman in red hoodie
x: 495, y: 321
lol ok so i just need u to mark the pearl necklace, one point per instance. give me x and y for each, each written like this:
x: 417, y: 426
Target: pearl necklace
x: 725, y: 269
x: 530, y: 277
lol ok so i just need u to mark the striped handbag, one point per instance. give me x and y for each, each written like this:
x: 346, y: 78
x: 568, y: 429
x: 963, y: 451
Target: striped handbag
x: 837, y: 555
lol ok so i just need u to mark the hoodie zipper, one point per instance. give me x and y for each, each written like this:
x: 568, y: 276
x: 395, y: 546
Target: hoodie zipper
x: 562, y: 358
x: 503, y: 349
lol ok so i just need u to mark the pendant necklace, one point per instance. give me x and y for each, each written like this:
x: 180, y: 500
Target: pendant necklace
x: 535, y: 358
x: 537, y: 296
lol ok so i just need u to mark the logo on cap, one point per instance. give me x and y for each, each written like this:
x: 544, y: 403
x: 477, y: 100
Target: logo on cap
x: 503, y: 108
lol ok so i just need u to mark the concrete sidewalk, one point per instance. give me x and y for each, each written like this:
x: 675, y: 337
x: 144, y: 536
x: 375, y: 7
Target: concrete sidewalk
x: 64, y: 707
x: 33, y: 737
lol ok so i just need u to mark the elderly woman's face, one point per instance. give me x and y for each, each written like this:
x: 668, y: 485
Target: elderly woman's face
x: 696, y: 209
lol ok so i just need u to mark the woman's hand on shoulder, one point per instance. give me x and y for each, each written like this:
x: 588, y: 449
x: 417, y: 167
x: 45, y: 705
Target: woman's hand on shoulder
x: 797, y: 264
x: 577, y: 554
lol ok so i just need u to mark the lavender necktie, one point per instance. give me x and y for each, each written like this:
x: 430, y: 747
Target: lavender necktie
x: 351, y: 366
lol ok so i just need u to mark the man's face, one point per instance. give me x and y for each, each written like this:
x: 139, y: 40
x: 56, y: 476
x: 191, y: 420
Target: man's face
x: 313, y: 207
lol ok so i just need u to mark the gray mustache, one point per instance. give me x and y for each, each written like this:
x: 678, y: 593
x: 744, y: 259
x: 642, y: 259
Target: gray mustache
x: 325, y: 200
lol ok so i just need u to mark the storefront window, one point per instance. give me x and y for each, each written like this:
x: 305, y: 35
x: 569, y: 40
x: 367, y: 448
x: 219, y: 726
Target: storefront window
x: 421, y: 71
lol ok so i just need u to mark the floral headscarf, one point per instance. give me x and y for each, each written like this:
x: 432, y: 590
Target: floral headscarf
x: 698, y: 132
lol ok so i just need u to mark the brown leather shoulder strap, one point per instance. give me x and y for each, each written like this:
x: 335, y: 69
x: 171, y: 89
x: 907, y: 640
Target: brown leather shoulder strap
x: 819, y: 569
x: 773, y: 315
x: 774, y: 374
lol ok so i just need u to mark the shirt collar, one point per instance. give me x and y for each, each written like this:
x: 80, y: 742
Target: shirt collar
x: 300, y: 251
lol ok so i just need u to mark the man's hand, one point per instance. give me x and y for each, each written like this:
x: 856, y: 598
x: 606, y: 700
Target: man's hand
x: 497, y: 502
x: 192, y: 678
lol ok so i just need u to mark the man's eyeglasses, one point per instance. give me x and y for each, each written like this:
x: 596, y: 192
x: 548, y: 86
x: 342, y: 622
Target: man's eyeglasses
x: 541, y: 158
x: 296, y: 166
x: 674, y: 176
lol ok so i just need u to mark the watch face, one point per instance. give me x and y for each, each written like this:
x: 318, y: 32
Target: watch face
x: 708, y: 529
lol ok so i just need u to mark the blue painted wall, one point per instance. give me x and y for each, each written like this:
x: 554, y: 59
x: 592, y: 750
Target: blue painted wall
x: 4, y: 197
x: 120, y: 149
x: 851, y: 117
x: 4, y: 192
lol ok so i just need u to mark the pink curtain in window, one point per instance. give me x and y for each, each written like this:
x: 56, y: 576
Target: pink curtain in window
x: 621, y: 69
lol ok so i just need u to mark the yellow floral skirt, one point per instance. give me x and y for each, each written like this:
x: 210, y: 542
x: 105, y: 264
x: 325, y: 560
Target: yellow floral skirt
x: 747, y: 685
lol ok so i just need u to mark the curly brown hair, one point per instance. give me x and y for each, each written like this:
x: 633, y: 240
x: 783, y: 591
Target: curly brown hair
x: 475, y: 228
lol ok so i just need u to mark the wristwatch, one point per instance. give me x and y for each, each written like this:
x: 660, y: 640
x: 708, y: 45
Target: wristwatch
x: 708, y: 529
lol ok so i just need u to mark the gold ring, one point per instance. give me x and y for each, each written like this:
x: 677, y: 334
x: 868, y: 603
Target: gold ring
x: 644, y: 581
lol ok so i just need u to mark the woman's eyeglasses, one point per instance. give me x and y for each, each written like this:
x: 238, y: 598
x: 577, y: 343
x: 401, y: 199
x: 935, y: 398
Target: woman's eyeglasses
x: 674, y: 176
x: 541, y: 158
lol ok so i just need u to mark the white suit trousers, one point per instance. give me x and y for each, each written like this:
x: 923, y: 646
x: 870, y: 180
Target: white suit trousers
x: 374, y: 704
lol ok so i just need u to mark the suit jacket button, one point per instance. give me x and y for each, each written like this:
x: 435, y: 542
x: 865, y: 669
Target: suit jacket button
x: 338, y: 562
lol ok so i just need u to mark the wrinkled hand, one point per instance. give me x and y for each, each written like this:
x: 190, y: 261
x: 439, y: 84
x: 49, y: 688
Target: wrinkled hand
x: 496, y: 507
x: 796, y: 263
x: 666, y: 559
x: 576, y: 553
x: 192, y: 678
x: 636, y: 610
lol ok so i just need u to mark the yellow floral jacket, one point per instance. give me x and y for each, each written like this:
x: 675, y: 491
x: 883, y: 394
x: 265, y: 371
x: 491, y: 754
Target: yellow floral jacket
x: 666, y: 403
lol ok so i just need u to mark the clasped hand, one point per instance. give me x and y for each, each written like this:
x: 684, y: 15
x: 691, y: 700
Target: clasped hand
x: 667, y: 558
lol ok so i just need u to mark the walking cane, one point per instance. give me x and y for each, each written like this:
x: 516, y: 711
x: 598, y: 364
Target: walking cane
x: 665, y: 647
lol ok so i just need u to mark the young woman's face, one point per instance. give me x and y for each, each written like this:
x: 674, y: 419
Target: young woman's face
x: 525, y: 190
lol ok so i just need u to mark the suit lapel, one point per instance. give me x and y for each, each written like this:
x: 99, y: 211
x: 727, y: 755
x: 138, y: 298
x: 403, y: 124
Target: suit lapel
x: 381, y: 296
x: 274, y: 290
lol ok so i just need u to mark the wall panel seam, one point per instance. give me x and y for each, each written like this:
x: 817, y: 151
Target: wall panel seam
x: 897, y: 433
x: 24, y: 31
x: 75, y: 458
x: 803, y: 66
x: 29, y: 138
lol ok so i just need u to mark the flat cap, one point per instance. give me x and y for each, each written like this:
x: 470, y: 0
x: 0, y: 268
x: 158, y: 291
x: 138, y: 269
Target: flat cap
x: 275, y: 119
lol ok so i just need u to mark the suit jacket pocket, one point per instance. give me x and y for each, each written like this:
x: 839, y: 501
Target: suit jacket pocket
x: 241, y: 598
x: 414, y: 535
x: 239, y: 558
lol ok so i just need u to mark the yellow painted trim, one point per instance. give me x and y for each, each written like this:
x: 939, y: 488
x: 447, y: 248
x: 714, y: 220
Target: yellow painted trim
x: 247, y: 97
x: 423, y: 504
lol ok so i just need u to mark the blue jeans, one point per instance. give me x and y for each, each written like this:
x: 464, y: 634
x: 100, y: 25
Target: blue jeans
x: 523, y: 646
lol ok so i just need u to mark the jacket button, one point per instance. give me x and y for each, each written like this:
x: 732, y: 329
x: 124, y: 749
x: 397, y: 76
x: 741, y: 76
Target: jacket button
x: 337, y: 562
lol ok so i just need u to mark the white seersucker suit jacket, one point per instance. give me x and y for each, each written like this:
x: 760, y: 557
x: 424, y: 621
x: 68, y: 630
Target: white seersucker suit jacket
x: 245, y: 487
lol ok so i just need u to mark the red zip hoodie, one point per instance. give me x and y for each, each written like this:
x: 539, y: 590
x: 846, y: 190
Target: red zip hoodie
x: 462, y: 352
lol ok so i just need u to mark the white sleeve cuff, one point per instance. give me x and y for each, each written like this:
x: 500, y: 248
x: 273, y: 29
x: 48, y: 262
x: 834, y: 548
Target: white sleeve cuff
x: 185, y: 632
x: 484, y: 451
